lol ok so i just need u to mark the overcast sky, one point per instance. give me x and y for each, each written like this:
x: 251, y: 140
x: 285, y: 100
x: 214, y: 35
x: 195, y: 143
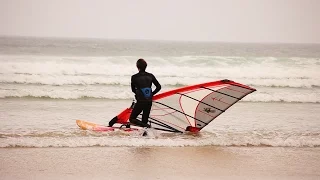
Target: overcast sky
x: 290, y: 21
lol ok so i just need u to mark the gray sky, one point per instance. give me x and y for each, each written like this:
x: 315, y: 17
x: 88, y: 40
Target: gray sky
x: 290, y: 21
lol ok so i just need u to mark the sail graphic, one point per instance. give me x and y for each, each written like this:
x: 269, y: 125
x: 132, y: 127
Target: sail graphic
x: 191, y: 108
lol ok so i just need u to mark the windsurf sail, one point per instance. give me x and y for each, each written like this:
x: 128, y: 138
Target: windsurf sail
x: 192, y: 108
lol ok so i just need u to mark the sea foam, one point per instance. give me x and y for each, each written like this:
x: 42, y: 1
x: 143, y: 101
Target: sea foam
x: 277, y: 79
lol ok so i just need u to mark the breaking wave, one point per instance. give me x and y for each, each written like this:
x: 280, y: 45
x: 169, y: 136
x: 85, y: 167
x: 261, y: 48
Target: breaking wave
x: 282, y: 79
x: 114, y: 139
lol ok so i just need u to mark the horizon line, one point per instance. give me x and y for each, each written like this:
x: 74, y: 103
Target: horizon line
x: 159, y: 40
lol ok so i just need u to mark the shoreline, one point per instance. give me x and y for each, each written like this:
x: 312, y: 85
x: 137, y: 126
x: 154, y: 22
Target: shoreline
x: 160, y: 163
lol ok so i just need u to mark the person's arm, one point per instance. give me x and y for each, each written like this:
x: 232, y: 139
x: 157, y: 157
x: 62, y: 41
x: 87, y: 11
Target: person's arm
x: 133, y: 87
x: 157, y: 84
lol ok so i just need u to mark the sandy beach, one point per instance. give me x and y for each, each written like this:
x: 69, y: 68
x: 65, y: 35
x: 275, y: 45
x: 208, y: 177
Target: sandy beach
x: 160, y: 163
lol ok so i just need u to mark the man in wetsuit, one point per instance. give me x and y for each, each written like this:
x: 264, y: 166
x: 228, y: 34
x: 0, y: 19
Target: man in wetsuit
x: 141, y: 86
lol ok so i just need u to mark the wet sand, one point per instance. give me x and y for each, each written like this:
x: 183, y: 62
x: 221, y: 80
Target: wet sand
x: 160, y: 163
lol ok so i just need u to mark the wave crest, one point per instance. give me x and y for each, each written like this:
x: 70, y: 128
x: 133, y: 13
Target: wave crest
x: 88, y: 139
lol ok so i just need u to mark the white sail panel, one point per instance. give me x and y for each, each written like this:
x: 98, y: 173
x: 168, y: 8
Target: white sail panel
x: 191, y: 100
x: 195, y: 106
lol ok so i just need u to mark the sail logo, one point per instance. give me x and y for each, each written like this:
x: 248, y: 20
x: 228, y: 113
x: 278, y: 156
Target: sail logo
x: 209, y: 110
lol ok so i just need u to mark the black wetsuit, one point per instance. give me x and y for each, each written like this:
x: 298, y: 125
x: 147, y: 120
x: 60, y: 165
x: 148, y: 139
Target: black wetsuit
x: 141, y: 85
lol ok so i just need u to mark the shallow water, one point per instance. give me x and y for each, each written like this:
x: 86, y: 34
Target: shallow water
x: 51, y: 123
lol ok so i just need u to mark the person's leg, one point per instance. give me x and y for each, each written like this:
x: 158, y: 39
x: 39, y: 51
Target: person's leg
x: 146, y: 112
x: 136, y: 111
x: 134, y: 114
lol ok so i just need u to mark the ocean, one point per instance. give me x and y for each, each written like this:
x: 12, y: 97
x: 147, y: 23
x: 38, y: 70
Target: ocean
x: 48, y: 83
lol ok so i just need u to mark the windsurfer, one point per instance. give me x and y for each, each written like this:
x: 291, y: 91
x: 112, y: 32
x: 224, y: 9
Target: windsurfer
x: 141, y: 86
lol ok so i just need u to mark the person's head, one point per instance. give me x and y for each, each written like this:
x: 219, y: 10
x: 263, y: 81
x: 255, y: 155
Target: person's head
x: 141, y: 64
